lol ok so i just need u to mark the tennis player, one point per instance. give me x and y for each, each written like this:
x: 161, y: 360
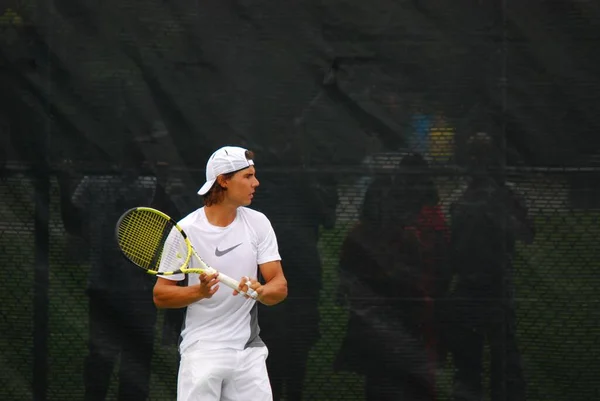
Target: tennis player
x: 222, y: 354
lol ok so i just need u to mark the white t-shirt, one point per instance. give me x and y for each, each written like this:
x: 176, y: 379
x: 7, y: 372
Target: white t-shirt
x: 225, y: 320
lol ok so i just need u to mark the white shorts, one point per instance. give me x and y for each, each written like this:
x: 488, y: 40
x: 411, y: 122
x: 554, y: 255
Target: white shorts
x: 224, y: 375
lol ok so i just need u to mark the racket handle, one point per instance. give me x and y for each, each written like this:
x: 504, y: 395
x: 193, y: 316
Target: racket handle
x: 234, y: 284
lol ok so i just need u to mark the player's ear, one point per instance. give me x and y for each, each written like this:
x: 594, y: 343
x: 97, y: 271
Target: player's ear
x: 222, y: 181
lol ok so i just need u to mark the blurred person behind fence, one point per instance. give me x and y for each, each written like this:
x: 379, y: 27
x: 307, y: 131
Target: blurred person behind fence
x: 122, y: 314
x: 392, y: 272
x: 487, y: 221
x: 299, y: 206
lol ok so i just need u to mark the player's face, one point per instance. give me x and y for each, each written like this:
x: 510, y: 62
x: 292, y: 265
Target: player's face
x: 241, y: 187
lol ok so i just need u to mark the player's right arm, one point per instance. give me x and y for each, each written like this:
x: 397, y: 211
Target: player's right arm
x: 168, y: 295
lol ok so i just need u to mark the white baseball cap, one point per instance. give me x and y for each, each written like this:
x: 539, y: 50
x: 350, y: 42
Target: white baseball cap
x: 225, y: 160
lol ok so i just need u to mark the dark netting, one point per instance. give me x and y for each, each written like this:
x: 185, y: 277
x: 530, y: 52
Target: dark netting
x: 431, y: 171
x: 17, y: 243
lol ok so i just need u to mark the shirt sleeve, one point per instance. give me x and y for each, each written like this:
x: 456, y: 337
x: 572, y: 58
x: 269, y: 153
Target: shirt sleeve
x: 173, y: 255
x: 268, y: 250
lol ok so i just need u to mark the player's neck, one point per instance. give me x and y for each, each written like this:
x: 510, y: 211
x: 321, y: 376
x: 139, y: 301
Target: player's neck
x: 221, y: 215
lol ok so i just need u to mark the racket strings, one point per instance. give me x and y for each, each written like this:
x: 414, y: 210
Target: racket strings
x: 175, y: 253
x: 141, y: 236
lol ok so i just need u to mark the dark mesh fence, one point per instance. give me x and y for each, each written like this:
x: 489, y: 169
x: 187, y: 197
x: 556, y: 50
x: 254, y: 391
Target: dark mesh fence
x: 430, y: 172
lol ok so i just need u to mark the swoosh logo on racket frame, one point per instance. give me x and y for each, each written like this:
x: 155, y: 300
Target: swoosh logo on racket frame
x: 219, y: 253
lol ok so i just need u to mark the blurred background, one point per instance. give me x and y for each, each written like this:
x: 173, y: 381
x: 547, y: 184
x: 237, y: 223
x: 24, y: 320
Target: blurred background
x: 430, y: 169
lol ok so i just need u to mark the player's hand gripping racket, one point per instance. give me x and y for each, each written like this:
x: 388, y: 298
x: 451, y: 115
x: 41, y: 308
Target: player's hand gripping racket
x: 142, y: 234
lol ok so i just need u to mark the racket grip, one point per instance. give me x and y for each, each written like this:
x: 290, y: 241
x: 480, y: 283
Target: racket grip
x: 234, y: 284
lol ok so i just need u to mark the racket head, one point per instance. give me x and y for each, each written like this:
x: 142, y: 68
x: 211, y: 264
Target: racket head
x: 141, y: 235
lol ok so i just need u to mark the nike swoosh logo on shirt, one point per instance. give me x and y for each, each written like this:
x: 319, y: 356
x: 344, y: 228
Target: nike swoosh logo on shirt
x: 224, y: 251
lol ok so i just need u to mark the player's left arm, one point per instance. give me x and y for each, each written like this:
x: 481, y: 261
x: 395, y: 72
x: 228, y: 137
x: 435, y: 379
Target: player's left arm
x: 275, y: 289
x: 269, y: 264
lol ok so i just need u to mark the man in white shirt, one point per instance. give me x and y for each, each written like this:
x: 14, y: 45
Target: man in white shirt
x: 222, y: 355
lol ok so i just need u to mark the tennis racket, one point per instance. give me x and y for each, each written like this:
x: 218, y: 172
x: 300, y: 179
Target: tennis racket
x: 149, y: 238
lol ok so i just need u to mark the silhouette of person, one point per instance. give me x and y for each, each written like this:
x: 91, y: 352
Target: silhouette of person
x: 298, y: 206
x: 122, y: 314
x: 487, y: 220
x: 392, y: 270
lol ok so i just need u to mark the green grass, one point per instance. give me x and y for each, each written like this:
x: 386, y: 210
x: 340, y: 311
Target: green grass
x: 557, y: 287
x: 16, y: 294
x: 321, y: 382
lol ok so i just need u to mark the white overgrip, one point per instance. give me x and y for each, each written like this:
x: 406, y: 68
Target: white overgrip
x: 235, y: 285
x: 225, y: 279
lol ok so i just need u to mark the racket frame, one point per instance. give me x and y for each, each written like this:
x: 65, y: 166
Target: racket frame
x: 206, y: 268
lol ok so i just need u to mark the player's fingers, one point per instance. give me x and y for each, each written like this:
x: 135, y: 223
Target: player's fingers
x: 243, y: 286
x: 203, y: 290
x: 250, y: 287
x: 210, y: 290
x: 205, y: 278
x: 250, y: 293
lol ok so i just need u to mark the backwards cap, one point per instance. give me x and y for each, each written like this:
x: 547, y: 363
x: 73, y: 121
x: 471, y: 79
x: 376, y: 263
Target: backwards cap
x: 227, y: 159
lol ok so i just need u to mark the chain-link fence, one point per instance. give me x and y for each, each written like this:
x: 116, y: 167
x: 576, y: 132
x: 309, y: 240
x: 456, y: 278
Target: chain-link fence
x: 548, y: 310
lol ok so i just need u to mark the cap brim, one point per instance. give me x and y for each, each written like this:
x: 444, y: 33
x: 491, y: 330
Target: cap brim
x: 206, y: 187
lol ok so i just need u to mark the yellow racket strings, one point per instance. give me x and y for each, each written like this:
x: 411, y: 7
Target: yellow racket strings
x: 141, y: 236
